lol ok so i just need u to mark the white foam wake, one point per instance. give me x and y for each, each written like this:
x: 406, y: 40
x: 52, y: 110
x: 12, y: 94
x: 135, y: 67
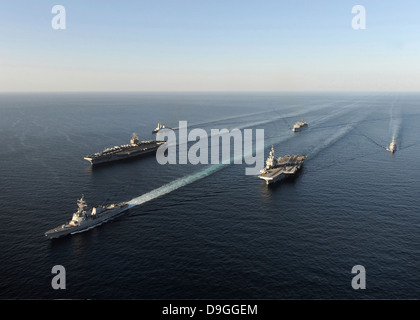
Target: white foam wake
x: 330, y: 141
x: 395, y: 122
x: 196, y: 124
x: 181, y: 182
x: 174, y: 185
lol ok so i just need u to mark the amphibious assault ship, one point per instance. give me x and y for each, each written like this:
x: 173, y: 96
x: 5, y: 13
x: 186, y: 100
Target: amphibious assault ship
x: 84, y: 220
x: 300, y: 125
x: 134, y: 149
x: 281, y: 168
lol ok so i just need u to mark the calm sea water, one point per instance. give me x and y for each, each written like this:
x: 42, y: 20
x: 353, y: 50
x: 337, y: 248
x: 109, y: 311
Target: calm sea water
x: 208, y: 231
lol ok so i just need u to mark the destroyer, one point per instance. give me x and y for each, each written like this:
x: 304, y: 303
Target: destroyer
x: 393, y: 145
x: 84, y: 220
x: 159, y: 127
x: 283, y: 167
x: 300, y: 125
x: 134, y: 149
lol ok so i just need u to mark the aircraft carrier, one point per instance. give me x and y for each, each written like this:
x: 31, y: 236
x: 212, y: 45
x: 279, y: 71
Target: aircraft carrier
x: 84, y: 220
x: 134, y: 149
x: 281, y: 168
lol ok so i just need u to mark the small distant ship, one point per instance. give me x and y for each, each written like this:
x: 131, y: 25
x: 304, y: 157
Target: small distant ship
x: 281, y: 168
x: 159, y: 127
x: 393, y: 145
x: 300, y: 125
x: 134, y: 149
x: 84, y: 219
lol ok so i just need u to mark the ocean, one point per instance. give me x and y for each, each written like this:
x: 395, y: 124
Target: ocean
x: 210, y: 231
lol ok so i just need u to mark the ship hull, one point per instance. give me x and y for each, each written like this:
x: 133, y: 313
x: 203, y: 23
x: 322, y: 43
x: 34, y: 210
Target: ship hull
x: 274, y: 179
x: 86, y: 225
x: 299, y: 129
x: 392, y: 148
x: 286, y: 167
x: 124, y: 154
x: 119, y: 157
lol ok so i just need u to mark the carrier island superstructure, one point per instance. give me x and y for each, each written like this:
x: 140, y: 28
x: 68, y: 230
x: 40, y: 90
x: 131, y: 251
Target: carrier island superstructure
x: 281, y: 168
x: 136, y: 148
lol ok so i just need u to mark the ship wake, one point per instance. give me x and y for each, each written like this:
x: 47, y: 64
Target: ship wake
x: 189, y: 179
x: 174, y: 185
x: 197, y: 124
x: 395, y: 122
x: 341, y: 133
x: 373, y: 141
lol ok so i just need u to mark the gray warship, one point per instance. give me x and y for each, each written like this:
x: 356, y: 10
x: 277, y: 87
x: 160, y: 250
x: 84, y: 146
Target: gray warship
x: 159, y: 127
x: 393, y: 146
x: 281, y: 168
x: 134, y: 149
x: 84, y: 220
x: 300, y: 125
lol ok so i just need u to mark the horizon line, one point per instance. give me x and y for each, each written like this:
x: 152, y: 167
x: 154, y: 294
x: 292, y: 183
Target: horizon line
x: 212, y: 91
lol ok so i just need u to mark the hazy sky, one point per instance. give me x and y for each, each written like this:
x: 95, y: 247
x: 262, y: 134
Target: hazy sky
x: 195, y: 45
